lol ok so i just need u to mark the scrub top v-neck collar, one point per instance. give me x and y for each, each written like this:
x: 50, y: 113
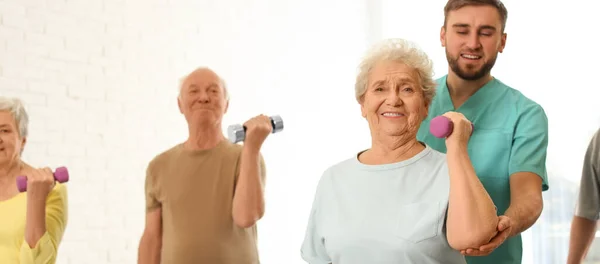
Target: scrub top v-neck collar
x: 480, y: 98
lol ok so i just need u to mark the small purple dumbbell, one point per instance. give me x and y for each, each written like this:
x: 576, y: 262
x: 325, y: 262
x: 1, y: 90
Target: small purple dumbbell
x: 441, y: 127
x: 61, y: 174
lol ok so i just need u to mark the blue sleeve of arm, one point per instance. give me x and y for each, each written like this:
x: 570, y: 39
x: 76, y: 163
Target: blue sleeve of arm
x: 530, y: 143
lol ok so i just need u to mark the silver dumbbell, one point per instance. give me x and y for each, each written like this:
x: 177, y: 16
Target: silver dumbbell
x: 237, y: 132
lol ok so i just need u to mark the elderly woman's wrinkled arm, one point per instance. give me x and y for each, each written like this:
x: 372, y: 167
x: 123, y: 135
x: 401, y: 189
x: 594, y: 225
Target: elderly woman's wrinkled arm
x: 472, y: 219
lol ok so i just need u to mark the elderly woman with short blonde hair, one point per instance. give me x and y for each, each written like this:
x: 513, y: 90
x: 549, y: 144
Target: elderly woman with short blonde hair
x: 32, y: 223
x: 399, y: 201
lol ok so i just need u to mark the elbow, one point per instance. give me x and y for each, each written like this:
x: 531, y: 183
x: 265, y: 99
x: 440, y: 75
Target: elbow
x: 244, y: 223
x: 248, y: 219
x: 474, y: 237
x: 469, y: 241
x: 247, y: 214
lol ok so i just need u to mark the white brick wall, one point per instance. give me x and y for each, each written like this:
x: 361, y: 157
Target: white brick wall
x: 80, y: 66
x: 99, y: 80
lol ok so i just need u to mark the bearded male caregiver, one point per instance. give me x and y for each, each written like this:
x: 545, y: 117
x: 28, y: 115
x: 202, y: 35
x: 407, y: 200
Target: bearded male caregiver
x: 509, y: 142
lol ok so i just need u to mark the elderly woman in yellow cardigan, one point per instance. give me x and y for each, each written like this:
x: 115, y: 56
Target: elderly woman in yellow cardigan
x: 32, y: 222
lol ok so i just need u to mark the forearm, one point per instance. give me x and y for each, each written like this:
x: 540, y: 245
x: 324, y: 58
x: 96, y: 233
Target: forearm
x: 524, y: 212
x: 35, y: 225
x: 248, y: 200
x: 472, y: 217
x: 582, y: 234
x: 150, y: 249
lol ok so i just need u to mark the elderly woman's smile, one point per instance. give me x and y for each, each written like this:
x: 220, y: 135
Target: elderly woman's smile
x: 393, y: 115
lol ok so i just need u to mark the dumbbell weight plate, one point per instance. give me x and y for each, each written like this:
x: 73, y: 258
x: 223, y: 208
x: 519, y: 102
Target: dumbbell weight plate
x: 236, y: 133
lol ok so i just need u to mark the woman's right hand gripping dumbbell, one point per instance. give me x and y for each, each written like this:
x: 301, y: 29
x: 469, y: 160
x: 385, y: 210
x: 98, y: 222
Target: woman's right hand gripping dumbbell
x: 39, y: 182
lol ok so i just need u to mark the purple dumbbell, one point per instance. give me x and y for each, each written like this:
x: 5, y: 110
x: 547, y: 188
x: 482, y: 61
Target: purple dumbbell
x: 441, y: 127
x: 61, y: 174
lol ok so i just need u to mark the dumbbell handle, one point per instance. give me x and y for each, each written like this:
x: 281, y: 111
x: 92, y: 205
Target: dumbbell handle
x: 272, y: 125
x: 442, y: 127
x: 237, y: 133
x: 61, y: 174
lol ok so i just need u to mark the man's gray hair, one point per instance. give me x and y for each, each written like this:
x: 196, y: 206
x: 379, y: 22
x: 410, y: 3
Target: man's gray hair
x: 401, y: 51
x: 223, y: 84
x: 17, y: 109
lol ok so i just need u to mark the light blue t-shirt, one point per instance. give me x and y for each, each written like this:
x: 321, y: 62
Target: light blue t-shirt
x: 510, y: 136
x: 382, y: 214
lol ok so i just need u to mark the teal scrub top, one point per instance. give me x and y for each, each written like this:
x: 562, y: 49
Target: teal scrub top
x: 510, y: 136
